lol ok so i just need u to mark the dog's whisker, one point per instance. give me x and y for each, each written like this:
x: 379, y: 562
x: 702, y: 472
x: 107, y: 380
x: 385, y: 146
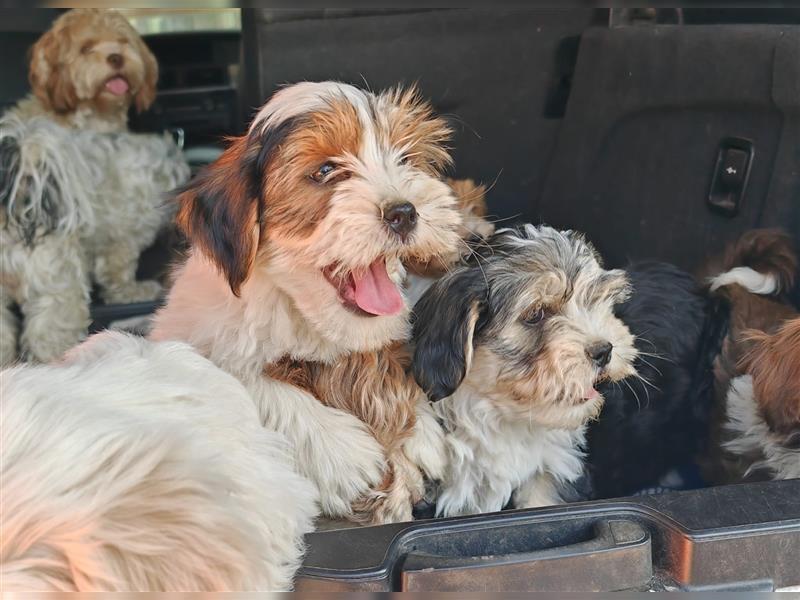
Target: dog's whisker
x: 649, y: 364
x: 653, y: 355
x: 646, y: 382
x: 480, y: 266
x: 476, y: 255
x: 635, y: 395
x: 479, y: 242
x: 494, y: 221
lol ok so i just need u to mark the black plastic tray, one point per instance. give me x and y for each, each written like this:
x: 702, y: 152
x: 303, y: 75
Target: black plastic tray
x: 739, y: 537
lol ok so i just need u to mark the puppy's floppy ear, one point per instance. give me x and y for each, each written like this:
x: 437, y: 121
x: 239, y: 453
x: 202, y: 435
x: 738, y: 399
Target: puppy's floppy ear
x: 47, y: 74
x: 147, y: 93
x: 773, y: 364
x: 446, y: 319
x: 220, y: 210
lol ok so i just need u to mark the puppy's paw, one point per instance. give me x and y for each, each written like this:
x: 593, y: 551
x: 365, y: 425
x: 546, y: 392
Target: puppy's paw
x: 134, y: 291
x: 426, y: 447
x: 382, y: 506
x: 344, y: 460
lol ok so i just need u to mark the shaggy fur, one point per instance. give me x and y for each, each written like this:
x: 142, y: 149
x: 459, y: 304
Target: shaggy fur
x: 750, y: 281
x: 139, y: 466
x: 377, y: 388
x: 73, y: 63
x: 80, y: 197
x: 512, y: 346
x: 288, y: 227
x: 657, y: 420
x: 763, y: 406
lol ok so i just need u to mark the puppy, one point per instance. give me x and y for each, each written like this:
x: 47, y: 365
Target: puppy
x: 657, y: 420
x: 87, y: 70
x: 299, y: 232
x: 377, y: 388
x: 513, y: 346
x: 135, y: 466
x: 763, y: 406
x: 80, y: 197
x: 750, y: 282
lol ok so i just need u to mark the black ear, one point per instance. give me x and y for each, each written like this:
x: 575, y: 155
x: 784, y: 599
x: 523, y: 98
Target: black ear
x: 446, y: 319
x: 220, y: 209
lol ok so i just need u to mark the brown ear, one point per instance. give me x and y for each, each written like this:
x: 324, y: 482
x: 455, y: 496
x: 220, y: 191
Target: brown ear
x: 220, y: 210
x: 471, y: 197
x: 147, y: 93
x: 49, y: 81
x: 774, y: 364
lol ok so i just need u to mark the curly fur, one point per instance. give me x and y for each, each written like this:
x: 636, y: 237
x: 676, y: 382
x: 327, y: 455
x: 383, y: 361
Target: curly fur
x: 81, y: 196
x: 136, y: 466
x: 69, y: 67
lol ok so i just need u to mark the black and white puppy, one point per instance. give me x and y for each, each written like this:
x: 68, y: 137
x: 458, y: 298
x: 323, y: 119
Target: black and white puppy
x: 658, y: 420
x: 514, y: 345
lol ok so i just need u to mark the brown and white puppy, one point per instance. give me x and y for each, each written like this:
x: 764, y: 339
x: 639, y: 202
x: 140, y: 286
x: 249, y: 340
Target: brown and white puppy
x: 377, y: 387
x: 763, y: 406
x: 512, y: 346
x: 749, y: 282
x: 80, y: 196
x: 299, y: 233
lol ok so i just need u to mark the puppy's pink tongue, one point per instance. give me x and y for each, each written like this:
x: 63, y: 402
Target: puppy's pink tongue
x: 375, y: 293
x: 591, y: 394
x: 117, y: 86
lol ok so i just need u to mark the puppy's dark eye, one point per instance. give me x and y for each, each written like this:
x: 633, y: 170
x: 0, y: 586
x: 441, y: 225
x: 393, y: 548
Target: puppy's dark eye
x: 87, y: 47
x: 321, y: 174
x: 537, y: 316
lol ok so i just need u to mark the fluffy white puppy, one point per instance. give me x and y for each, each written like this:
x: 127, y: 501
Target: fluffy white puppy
x: 140, y: 466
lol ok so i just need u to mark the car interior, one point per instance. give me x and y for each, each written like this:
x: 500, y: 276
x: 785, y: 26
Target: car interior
x: 616, y: 122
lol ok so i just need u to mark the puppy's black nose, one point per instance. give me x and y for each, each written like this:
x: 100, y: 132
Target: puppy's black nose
x: 115, y: 60
x: 600, y: 353
x: 401, y: 218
